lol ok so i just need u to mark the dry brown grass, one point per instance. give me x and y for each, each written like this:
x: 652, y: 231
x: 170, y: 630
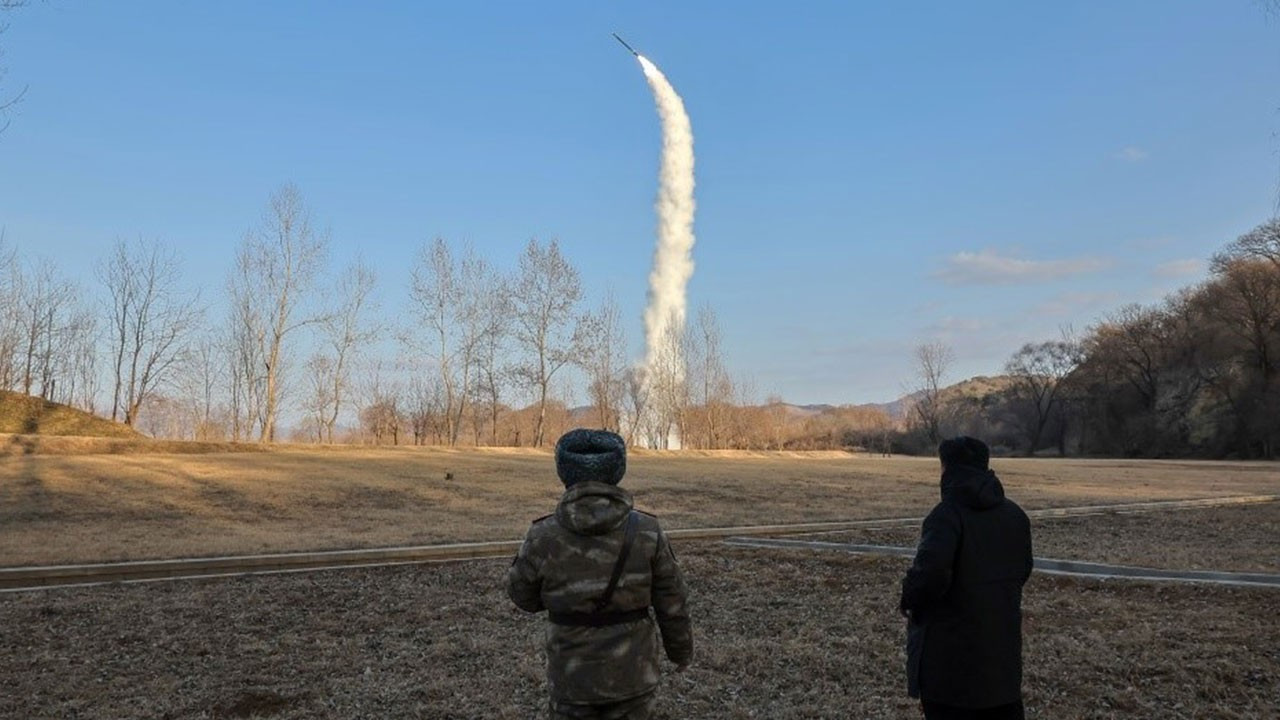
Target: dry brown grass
x: 781, y: 635
x: 1239, y: 538
x: 34, y: 416
x: 1230, y: 538
x: 59, y: 508
x: 17, y: 444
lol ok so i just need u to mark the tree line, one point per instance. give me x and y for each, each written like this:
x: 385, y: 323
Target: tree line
x: 1194, y: 375
x: 482, y: 358
x: 485, y: 356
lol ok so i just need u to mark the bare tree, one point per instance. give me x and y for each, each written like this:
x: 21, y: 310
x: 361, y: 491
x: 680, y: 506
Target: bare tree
x: 275, y: 269
x: 11, y: 315
x: 346, y: 330
x: 321, y: 379
x: 450, y: 299
x: 198, y: 381
x: 745, y: 416
x: 79, y: 362
x: 491, y: 372
x: 635, y: 404
x: 776, y: 418
x: 669, y: 386
x: 381, y: 419
x: 165, y: 416
x: 1246, y: 299
x: 715, y: 385
x: 1260, y: 243
x: 544, y: 301
x: 435, y: 292
x: 151, y: 317
x: 603, y: 359
x: 425, y: 412
x: 1038, y: 372
x: 117, y: 274
x: 7, y: 103
x: 381, y: 415
x: 1196, y: 375
x: 933, y: 360
x: 48, y: 337
x: 1137, y: 339
x: 242, y: 345
x: 1243, y: 300
x: 46, y: 304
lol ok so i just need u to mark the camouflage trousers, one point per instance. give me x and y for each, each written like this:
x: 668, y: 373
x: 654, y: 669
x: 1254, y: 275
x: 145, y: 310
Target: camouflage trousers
x: 637, y: 708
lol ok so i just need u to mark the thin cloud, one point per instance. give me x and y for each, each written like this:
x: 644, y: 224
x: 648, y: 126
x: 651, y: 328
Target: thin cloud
x: 1075, y: 302
x: 1179, y: 269
x: 1148, y: 244
x: 1133, y: 154
x: 991, y: 268
x: 952, y: 324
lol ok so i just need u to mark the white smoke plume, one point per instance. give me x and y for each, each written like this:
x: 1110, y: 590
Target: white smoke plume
x: 672, y: 260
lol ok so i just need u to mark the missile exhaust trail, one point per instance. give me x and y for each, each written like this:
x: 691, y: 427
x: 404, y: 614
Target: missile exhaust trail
x: 664, y: 316
x: 625, y: 45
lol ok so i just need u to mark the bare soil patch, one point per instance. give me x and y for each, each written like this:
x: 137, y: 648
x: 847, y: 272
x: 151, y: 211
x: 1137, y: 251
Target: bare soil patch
x: 1238, y: 538
x: 101, y: 507
x: 783, y: 635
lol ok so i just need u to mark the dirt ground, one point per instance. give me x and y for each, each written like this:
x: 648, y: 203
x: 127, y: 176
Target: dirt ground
x: 86, y: 507
x: 1240, y: 538
x: 781, y: 635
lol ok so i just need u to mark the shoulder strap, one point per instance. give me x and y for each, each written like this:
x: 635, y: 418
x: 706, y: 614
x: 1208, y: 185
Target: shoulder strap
x: 628, y: 539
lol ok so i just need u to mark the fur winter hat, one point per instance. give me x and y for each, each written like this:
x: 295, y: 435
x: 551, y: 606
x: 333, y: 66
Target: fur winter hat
x: 597, y: 455
x: 964, y: 450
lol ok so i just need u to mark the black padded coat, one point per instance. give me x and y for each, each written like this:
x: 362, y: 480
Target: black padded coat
x: 963, y: 595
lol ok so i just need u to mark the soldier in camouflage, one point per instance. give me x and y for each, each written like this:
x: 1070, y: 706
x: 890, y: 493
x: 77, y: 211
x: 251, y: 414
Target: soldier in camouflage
x: 596, y: 566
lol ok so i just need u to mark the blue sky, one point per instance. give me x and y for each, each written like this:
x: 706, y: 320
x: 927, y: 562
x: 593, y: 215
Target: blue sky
x: 871, y: 176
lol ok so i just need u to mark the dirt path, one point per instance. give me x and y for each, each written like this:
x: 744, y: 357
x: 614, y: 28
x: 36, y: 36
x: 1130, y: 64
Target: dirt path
x: 1048, y: 565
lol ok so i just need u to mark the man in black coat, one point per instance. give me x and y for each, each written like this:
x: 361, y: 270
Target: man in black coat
x: 962, y: 596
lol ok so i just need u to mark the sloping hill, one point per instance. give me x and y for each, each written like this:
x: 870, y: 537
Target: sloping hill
x: 27, y: 415
x: 976, y: 387
x: 973, y: 389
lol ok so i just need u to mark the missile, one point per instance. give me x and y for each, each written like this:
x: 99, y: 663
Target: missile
x: 625, y: 45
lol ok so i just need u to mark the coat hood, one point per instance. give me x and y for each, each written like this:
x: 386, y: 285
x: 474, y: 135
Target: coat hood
x: 593, y: 508
x: 972, y: 487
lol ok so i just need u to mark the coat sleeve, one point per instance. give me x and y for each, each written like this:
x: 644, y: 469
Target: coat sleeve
x: 929, y: 576
x: 670, y: 600
x: 524, y: 582
x: 1031, y: 558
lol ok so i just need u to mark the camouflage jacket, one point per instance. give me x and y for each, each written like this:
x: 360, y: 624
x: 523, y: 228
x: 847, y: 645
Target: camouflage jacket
x: 564, y: 566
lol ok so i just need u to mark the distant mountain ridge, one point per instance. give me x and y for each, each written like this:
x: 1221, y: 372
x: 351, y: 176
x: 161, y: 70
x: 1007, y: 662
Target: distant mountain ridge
x: 978, y: 386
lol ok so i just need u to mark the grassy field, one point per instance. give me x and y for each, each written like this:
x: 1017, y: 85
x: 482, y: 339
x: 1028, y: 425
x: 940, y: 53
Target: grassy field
x: 80, y: 506
x: 782, y: 635
x: 1242, y: 538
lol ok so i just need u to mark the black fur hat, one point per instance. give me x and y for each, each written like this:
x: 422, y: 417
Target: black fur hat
x: 597, y: 455
x: 964, y: 450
